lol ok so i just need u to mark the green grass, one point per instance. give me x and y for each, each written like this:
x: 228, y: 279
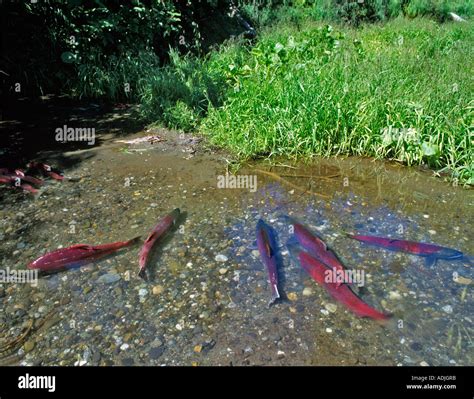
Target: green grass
x: 402, y: 90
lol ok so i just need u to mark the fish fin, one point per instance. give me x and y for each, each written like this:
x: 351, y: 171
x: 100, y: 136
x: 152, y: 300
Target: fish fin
x: 142, y: 274
x: 150, y: 237
x: 269, y: 249
x: 275, y: 295
x: 80, y: 246
x: 430, y: 261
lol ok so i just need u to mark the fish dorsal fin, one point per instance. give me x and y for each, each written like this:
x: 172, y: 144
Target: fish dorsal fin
x: 269, y: 249
x: 81, y: 246
x: 151, y: 237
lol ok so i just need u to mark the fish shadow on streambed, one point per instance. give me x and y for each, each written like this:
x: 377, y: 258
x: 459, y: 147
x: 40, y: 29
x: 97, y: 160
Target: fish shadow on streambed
x: 157, y: 250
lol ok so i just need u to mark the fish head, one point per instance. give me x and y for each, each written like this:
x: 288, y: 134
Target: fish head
x: 175, y: 213
x: 266, y: 241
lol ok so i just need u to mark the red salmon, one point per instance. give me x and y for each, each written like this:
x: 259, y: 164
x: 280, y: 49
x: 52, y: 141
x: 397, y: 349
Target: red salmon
x: 267, y: 247
x: 343, y: 294
x: 155, y: 235
x: 317, y: 248
x: 77, y: 255
x: 430, y: 251
x: 46, y: 170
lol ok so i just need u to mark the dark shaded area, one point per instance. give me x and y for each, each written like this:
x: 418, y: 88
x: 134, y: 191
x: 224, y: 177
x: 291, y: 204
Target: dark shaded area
x: 44, y: 45
x: 59, y: 38
x: 27, y: 130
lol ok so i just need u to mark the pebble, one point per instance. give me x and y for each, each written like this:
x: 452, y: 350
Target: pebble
x: 394, y: 295
x: 64, y: 300
x: 307, y: 291
x: 255, y: 253
x: 87, y: 289
x: 329, y: 330
x: 109, y: 278
x: 124, y: 347
x: 292, y: 296
x: 281, y: 354
x: 424, y: 364
x: 223, y: 270
x: 198, y: 349
x: 142, y: 292
x: 331, y: 307
x: 157, y: 289
x: 220, y: 258
x: 448, y: 309
x: 28, y: 346
x: 128, y: 361
x: 156, y: 352
x: 462, y: 280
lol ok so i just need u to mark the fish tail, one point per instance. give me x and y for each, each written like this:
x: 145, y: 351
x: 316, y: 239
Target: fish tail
x: 275, y: 295
x: 134, y: 240
x: 142, y: 274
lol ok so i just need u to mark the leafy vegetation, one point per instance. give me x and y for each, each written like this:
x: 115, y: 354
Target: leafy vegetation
x: 389, y: 91
x: 392, y: 79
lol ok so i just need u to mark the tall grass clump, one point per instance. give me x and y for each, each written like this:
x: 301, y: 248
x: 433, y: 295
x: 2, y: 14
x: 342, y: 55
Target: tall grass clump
x: 403, y: 90
x: 180, y: 93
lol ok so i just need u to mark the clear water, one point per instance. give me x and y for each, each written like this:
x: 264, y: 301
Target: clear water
x: 202, y: 310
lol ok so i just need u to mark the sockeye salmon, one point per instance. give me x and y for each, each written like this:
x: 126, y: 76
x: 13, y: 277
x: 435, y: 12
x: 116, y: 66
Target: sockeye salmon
x: 77, y: 255
x: 267, y: 248
x: 431, y: 252
x: 343, y: 294
x: 317, y: 248
x: 16, y: 182
x: 155, y: 235
x: 47, y: 170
